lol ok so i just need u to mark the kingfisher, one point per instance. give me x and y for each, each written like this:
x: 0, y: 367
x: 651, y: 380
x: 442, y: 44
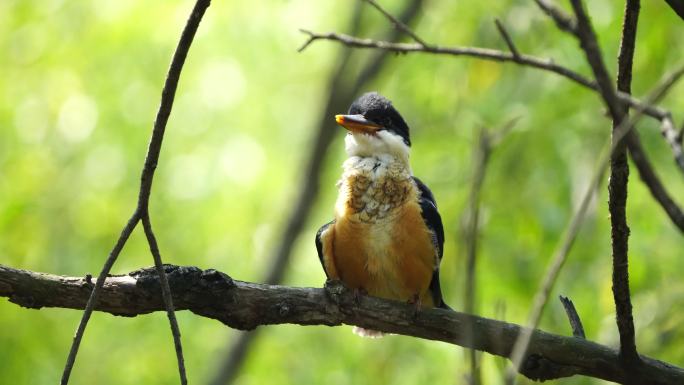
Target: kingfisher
x: 387, y: 237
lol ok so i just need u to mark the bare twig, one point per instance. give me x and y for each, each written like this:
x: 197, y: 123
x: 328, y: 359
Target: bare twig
x: 484, y: 54
x: 652, y: 181
x: 94, y: 294
x: 141, y: 210
x: 243, y: 305
x: 166, y: 294
x: 482, y: 151
x: 563, y: 21
x: 673, y: 138
x: 398, y: 23
x: 573, y: 317
x: 592, y: 52
x: 342, y: 92
x: 507, y: 38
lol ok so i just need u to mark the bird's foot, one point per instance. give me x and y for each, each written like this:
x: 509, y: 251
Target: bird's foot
x: 359, y: 292
x: 334, y: 290
x: 417, y: 304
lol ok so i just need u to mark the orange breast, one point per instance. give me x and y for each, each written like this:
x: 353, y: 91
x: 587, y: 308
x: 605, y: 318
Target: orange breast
x: 391, y: 258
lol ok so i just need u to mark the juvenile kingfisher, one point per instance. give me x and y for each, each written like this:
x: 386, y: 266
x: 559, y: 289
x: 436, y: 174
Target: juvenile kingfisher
x: 387, y: 237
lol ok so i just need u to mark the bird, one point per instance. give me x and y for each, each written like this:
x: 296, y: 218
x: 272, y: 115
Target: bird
x: 386, y: 239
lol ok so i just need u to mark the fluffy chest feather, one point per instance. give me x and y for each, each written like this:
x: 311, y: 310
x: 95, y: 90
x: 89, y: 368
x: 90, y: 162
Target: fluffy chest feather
x: 381, y: 242
x: 373, y: 188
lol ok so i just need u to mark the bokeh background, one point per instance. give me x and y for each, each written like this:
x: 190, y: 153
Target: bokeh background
x: 79, y: 89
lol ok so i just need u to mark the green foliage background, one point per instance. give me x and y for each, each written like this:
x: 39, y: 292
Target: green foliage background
x: 79, y: 89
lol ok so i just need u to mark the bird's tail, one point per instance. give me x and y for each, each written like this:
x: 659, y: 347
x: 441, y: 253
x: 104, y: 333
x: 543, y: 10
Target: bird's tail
x: 367, y: 332
x: 445, y: 306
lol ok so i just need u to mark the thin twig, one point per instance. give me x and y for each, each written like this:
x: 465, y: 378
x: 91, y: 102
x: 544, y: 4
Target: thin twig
x: 673, y: 138
x: 573, y: 317
x: 398, y: 23
x: 141, y: 211
x: 592, y: 52
x: 563, y: 21
x: 166, y: 295
x: 507, y: 38
x: 481, y: 153
x: 94, y: 294
x: 652, y: 181
x: 484, y: 54
x: 482, y: 150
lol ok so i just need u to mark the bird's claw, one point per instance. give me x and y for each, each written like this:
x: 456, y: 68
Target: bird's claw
x: 334, y: 289
x: 359, y: 292
x: 417, y: 304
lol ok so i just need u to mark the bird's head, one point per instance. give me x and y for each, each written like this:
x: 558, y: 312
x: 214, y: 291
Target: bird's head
x: 375, y: 128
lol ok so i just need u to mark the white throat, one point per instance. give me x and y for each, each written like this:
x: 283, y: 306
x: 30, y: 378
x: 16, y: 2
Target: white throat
x: 385, y: 146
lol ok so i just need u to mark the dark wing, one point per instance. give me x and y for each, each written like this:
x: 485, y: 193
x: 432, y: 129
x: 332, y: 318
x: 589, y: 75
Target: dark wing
x: 319, y: 244
x: 433, y: 221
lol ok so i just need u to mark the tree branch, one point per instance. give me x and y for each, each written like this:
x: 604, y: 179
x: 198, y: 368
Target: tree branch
x: 470, y: 234
x: 397, y: 23
x: 141, y: 211
x: 652, y: 181
x: 470, y: 231
x: 166, y: 294
x: 563, y: 21
x: 617, y: 193
x: 507, y: 39
x: 245, y: 306
x: 617, y: 188
x: 484, y: 54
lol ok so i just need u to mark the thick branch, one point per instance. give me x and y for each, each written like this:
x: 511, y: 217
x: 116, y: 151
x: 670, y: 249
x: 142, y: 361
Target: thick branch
x: 244, y: 305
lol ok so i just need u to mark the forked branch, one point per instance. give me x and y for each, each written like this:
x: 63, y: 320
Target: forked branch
x: 141, y: 212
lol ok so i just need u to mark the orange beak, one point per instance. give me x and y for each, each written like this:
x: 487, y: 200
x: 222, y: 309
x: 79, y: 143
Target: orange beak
x: 357, y: 123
